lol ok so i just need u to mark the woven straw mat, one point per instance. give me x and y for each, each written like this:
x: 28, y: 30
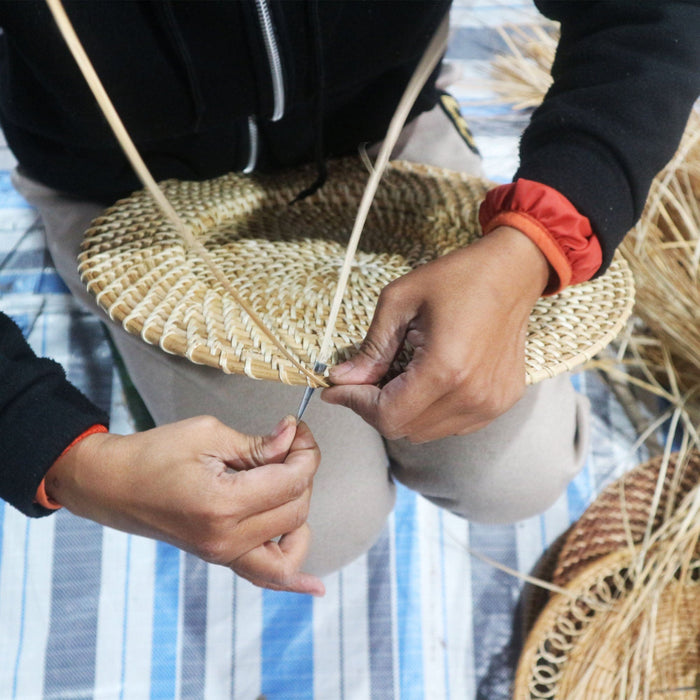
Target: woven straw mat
x: 284, y: 261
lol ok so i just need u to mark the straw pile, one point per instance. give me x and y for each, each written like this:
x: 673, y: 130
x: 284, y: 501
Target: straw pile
x: 664, y: 253
x: 662, y: 349
x: 522, y: 77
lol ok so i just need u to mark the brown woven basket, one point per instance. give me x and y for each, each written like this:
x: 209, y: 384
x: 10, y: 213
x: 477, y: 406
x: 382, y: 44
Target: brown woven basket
x: 575, y: 649
x: 284, y: 260
x: 571, y: 652
x: 621, y: 512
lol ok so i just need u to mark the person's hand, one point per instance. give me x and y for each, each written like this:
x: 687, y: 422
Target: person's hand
x: 466, y: 314
x: 205, y: 488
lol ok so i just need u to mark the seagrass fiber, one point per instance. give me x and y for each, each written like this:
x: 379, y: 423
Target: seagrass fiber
x: 284, y: 259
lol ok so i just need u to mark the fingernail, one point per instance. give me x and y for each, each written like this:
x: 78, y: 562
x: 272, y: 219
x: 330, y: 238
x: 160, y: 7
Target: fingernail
x: 317, y: 588
x: 282, y: 426
x: 341, y: 370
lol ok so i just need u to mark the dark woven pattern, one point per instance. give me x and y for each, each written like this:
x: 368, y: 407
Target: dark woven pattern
x: 621, y: 513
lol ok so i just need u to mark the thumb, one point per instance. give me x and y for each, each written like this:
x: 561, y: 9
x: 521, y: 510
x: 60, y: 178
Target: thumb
x: 383, y: 341
x: 258, y: 450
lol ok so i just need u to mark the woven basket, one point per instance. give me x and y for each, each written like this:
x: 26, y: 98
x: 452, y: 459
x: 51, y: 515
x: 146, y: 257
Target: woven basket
x: 570, y: 652
x: 621, y: 512
x: 284, y: 261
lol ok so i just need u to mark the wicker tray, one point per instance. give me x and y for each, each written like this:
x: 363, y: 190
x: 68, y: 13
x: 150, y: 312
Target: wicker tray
x: 571, y: 654
x: 284, y: 261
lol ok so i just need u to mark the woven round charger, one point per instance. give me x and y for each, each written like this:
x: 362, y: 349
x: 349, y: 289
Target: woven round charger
x: 284, y: 261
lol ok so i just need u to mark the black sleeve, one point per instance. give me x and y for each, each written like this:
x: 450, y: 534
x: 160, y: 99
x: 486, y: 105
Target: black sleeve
x: 626, y: 74
x: 41, y: 413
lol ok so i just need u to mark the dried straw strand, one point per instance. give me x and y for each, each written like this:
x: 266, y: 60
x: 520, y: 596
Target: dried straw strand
x: 76, y: 48
x: 421, y: 74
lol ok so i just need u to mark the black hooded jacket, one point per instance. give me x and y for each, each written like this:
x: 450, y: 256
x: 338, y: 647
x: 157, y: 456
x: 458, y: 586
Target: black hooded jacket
x: 208, y: 87
x: 204, y: 88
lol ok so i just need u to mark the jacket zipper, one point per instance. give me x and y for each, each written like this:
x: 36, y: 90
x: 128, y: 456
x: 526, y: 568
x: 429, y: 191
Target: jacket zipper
x: 253, y: 141
x: 273, y: 58
x: 275, y: 64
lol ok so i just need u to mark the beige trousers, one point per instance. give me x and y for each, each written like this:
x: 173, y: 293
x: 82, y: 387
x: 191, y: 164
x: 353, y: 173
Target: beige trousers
x: 512, y: 469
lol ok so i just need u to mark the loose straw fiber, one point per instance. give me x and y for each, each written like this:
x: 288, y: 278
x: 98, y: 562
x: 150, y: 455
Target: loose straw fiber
x: 284, y: 260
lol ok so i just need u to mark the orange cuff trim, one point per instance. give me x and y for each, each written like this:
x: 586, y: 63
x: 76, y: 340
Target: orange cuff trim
x: 551, y: 221
x: 41, y: 496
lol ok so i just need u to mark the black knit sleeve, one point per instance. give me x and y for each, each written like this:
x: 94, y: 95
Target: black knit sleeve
x: 626, y: 75
x: 41, y: 413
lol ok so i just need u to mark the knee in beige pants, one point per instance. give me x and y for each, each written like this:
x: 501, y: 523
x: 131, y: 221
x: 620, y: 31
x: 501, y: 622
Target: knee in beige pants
x: 514, y: 468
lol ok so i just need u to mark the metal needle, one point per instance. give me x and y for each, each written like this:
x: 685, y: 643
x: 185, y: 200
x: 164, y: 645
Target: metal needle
x: 318, y: 368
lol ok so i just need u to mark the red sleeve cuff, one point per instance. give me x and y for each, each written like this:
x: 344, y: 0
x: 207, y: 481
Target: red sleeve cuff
x: 544, y: 215
x: 41, y: 496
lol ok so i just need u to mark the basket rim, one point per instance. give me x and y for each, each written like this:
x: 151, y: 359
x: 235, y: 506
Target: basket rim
x: 544, y: 628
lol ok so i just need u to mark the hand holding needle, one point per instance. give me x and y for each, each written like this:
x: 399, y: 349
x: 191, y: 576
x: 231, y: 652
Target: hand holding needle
x: 425, y: 67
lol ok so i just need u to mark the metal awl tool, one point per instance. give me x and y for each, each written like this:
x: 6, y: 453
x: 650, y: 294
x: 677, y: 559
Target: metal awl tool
x: 318, y: 367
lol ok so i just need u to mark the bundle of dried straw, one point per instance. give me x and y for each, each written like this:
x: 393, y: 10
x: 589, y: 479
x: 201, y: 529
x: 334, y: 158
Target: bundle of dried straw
x: 628, y: 624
